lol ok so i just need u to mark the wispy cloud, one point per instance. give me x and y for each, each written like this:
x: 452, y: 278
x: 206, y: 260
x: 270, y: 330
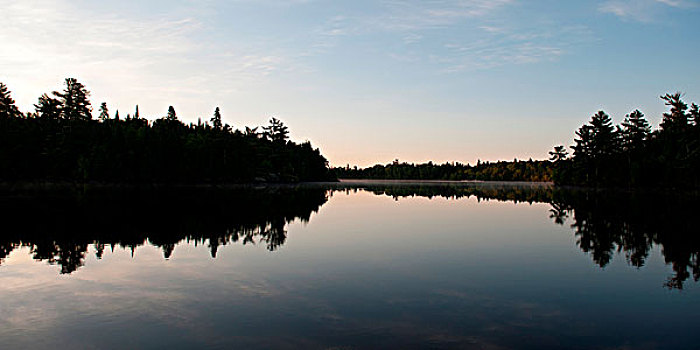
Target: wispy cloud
x: 458, y: 35
x: 502, y: 46
x: 642, y: 10
x: 162, y: 55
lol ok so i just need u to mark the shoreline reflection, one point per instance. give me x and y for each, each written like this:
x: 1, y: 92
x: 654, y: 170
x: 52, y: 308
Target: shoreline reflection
x: 59, y: 227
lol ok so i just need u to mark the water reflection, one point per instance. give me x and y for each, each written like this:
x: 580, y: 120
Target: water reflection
x: 604, y: 222
x: 58, y: 227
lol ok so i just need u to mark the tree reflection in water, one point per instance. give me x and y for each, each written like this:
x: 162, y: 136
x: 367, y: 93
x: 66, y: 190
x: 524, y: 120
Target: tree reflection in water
x: 59, y: 227
x: 604, y: 222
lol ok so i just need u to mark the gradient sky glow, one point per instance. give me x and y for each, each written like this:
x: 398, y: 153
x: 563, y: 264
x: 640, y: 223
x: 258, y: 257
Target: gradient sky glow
x: 366, y: 81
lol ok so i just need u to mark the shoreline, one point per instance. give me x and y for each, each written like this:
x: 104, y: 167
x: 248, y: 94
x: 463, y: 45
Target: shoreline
x: 29, y: 186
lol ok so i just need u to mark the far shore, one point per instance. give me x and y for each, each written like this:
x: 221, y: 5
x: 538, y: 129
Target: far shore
x: 447, y: 182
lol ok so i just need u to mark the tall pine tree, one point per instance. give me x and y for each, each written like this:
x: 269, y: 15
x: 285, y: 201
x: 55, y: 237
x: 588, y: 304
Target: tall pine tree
x: 216, y: 120
x: 75, y: 104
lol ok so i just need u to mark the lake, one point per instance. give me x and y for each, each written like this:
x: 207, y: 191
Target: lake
x: 353, y: 265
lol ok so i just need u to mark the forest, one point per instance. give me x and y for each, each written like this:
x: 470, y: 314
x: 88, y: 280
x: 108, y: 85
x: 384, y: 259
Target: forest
x: 517, y: 170
x: 628, y: 155
x: 633, y: 155
x: 61, y: 142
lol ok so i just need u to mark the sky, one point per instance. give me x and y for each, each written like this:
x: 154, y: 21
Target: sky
x: 366, y: 81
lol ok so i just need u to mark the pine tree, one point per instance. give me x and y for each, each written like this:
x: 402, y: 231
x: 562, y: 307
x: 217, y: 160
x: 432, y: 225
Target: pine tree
x: 605, y: 138
x: 136, y: 114
x: 276, y: 131
x: 583, y: 147
x: 694, y: 114
x: 635, y: 130
x: 171, y: 114
x: 8, y: 109
x: 216, y: 120
x: 558, y: 154
x: 104, y: 112
x: 48, y: 107
x: 74, y: 101
x: 676, y: 120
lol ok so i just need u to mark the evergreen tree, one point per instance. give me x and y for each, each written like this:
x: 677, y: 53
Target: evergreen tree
x: 216, y: 120
x: 635, y: 130
x: 276, y: 131
x: 116, y: 115
x: 558, y: 154
x: 676, y: 120
x: 104, y: 112
x: 694, y: 114
x: 75, y: 104
x: 171, y: 114
x: 136, y: 114
x: 597, y: 142
x: 605, y: 138
x: 8, y: 109
x: 584, y: 143
x: 251, y: 131
x: 48, y: 107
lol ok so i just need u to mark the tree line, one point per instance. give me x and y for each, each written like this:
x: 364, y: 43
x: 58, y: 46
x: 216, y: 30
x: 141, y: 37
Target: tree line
x: 61, y: 141
x: 631, y: 154
x: 517, y: 170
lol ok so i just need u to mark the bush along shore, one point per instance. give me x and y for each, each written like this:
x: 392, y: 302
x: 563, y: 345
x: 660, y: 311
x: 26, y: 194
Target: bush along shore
x: 61, y: 142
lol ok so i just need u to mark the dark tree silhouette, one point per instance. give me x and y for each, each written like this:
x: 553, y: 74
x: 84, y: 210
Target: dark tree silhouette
x: 632, y: 155
x: 171, y: 114
x: 75, y: 103
x: 104, y: 112
x: 676, y: 120
x: 558, y: 154
x: 216, y: 119
x: 48, y: 107
x: 635, y: 130
x: 62, y: 143
x: 8, y: 109
x: 276, y: 131
x: 516, y: 170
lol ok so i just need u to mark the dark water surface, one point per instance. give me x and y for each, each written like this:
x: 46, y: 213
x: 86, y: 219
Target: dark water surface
x: 351, y: 265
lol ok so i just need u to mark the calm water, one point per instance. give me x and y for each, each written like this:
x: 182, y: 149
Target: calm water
x: 379, y: 265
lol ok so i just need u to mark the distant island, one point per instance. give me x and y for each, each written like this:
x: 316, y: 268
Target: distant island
x: 61, y: 142
x: 604, y: 155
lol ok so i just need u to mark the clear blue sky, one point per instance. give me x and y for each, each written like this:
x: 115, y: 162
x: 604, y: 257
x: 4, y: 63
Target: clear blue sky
x: 366, y: 81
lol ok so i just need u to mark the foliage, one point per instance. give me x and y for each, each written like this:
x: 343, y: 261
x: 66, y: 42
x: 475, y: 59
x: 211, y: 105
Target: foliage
x: 61, y: 142
x: 531, y: 170
x: 7, y: 103
x: 74, y: 101
x: 276, y: 131
x: 632, y: 155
